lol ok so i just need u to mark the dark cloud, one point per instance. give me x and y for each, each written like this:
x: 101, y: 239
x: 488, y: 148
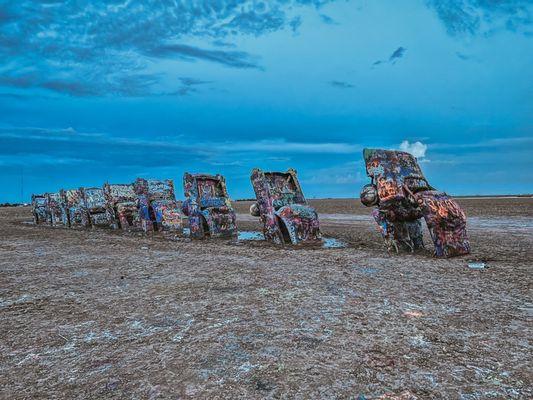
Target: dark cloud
x: 117, y: 84
x: 187, y: 81
x: 341, y: 84
x: 94, y: 149
x: 295, y: 23
x: 398, y: 53
x: 221, y: 43
x: 235, y: 59
x: 483, y: 16
x: 90, y: 48
x: 327, y: 19
x: 395, y: 56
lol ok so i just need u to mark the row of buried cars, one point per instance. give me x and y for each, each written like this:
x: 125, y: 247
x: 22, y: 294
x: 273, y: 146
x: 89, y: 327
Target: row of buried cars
x: 398, y: 192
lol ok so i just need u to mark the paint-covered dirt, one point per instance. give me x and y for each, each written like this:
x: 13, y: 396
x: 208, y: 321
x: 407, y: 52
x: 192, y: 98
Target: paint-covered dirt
x: 107, y: 314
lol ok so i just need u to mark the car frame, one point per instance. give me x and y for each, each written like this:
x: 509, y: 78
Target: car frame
x: 72, y: 210
x: 122, y: 206
x: 402, y: 196
x: 55, y: 208
x: 208, y: 206
x: 39, y: 208
x: 94, y: 210
x: 282, y: 208
x: 158, y: 208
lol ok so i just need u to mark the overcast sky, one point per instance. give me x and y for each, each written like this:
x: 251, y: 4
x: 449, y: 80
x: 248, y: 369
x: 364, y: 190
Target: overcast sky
x: 114, y: 90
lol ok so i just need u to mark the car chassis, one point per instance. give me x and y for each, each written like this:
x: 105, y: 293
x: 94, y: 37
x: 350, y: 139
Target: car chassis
x: 208, y: 206
x: 402, y: 197
x: 284, y: 212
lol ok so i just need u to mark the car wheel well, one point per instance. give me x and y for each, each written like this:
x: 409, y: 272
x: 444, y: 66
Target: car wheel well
x: 284, y: 231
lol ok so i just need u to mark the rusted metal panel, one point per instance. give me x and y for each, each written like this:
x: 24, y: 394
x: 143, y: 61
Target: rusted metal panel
x: 402, y: 196
x: 158, y: 208
x: 39, y: 208
x: 208, y: 206
x: 281, y: 205
x: 121, y: 206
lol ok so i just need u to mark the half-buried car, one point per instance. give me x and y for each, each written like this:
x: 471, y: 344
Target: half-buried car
x: 282, y: 208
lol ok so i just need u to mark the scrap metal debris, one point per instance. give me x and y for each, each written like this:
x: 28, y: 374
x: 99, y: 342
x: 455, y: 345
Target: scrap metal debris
x: 476, y: 265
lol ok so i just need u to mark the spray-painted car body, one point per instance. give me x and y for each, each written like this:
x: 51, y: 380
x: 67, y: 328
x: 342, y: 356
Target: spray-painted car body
x: 55, y: 208
x: 208, y: 206
x: 73, y: 210
x: 121, y: 206
x: 158, y: 208
x: 39, y: 208
x: 403, y: 196
x: 281, y: 205
x: 93, y: 204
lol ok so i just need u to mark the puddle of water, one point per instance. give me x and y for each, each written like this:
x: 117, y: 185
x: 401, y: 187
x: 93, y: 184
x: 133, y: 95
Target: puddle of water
x: 255, y: 235
x: 368, y: 271
x: 331, y: 243
x: 250, y: 235
x: 507, y: 224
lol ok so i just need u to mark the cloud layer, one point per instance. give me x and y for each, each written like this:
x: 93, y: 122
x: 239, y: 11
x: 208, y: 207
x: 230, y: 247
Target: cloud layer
x: 484, y: 16
x: 102, y: 48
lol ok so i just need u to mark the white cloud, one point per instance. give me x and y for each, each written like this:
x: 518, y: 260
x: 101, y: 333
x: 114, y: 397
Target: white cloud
x: 417, y: 149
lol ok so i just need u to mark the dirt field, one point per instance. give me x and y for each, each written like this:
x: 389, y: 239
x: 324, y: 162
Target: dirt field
x: 100, y: 314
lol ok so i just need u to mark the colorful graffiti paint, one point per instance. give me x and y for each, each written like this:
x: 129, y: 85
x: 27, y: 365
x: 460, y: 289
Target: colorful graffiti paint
x: 282, y: 208
x: 121, y: 206
x: 158, y: 208
x: 39, y: 209
x: 55, y: 209
x: 403, y: 196
x: 73, y: 208
x: 208, y: 206
x: 93, y: 204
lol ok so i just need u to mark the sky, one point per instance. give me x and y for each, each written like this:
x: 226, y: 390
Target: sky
x: 96, y: 91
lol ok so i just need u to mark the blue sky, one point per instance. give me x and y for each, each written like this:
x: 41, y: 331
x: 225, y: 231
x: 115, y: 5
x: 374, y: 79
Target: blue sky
x: 101, y: 91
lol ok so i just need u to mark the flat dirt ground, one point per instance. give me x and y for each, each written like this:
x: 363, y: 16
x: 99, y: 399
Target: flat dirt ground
x: 99, y: 314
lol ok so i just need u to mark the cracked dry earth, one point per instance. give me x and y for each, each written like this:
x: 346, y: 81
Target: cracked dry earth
x: 99, y: 314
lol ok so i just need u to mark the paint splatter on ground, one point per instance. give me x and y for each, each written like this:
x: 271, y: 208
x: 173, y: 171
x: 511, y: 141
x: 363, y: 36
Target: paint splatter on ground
x: 104, y: 314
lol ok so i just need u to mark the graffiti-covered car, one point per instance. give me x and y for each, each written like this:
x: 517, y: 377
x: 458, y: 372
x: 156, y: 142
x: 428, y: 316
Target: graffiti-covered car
x: 73, y: 208
x: 281, y: 205
x: 121, y: 206
x: 158, y: 208
x: 208, y: 206
x: 94, y: 207
x: 39, y: 208
x: 55, y: 208
x: 402, y: 196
